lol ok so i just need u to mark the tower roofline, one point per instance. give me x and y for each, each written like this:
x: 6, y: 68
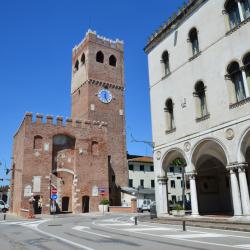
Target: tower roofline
x: 91, y: 35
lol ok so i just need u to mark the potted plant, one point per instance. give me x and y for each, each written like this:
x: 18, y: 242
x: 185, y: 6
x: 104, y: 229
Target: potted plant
x: 178, y: 210
x: 103, y: 206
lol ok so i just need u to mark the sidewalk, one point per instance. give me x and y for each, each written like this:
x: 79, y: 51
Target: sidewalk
x: 216, y: 222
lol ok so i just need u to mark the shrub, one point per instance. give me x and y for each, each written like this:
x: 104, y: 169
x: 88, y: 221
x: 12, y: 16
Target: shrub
x: 177, y: 207
x: 104, y: 202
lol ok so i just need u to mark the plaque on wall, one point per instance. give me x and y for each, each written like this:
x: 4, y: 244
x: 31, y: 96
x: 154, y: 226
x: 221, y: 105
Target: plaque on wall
x: 28, y: 191
x: 36, y: 184
x: 94, y: 191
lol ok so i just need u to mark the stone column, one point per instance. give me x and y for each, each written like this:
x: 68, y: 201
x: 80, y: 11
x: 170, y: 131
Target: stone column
x: 244, y: 189
x: 240, y: 10
x: 162, y: 184
x: 193, y: 190
x: 235, y: 191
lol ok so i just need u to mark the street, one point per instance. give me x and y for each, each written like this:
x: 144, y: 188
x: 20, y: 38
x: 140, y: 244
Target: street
x: 95, y: 232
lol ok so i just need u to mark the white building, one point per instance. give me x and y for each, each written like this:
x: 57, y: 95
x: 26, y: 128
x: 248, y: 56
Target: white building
x: 199, y: 71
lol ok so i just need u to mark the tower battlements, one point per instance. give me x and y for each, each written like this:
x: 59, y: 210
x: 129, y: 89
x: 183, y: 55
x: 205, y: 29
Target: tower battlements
x: 62, y: 122
x: 92, y: 36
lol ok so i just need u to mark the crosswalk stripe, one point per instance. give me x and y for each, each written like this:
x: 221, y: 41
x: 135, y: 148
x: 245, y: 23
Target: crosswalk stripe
x: 116, y: 224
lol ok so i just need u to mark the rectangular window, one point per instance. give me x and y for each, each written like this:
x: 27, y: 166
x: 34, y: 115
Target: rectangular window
x: 187, y: 185
x: 171, y: 169
x: 174, y: 199
x: 152, y: 183
x: 130, y: 183
x: 131, y: 167
x: 172, y: 184
x: 152, y: 168
x: 141, y: 167
x: 142, y: 183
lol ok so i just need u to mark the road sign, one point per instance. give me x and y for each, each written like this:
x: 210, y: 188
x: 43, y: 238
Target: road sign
x: 54, y: 191
x: 101, y: 191
x: 54, y: 196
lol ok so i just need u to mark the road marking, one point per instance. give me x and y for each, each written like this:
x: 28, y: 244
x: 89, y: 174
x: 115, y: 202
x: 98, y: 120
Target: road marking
x: 83, y: 229
x: 200, y: 235
x: 245, y: 246
x: 116, y: 224
x: 150, y: 229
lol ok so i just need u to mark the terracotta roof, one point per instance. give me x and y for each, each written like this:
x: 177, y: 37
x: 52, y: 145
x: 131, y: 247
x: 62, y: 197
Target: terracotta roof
x: 146, y: 159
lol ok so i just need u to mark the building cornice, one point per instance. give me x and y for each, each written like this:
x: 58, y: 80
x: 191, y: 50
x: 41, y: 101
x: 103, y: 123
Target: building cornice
x: 172, y: 23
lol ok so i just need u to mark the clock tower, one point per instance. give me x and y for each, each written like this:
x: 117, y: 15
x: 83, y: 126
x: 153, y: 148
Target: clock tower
x: 97, y: 91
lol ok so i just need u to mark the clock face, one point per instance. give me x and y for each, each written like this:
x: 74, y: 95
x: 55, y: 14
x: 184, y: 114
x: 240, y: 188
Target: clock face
x: 105, y: 96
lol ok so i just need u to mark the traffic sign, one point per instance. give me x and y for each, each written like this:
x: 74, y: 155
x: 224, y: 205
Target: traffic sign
x: 54, y: 191
x: 54, y: 196
x: 101, y: 191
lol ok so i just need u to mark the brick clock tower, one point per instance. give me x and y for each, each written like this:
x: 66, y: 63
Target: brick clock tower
x: 97, y: 91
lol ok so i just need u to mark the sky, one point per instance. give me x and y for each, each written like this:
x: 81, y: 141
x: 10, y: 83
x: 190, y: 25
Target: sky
x: 36, y: 41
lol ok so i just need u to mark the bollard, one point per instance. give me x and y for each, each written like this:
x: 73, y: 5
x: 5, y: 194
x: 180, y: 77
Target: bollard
x: 184, y: 225
x: 136, y: 220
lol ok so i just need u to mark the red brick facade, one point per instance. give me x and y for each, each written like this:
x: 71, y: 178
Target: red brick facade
x: 84, y: 154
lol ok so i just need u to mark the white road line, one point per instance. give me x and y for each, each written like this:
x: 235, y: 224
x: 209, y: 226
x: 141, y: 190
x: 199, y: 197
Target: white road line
x: 116, y: 224
x: 82, y: 229
x: 245, y: 246
x: 190, y: 236
x: 150, y: 229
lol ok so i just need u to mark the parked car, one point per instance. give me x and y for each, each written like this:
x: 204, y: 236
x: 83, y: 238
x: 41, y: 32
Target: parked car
x: 3, y: 206
x: 143, y: 205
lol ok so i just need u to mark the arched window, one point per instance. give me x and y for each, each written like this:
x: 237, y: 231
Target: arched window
x: 232, y: 9
x: 235, y: 75
x: 165, y: 62
x: 83, y: 58
x: 99, y: 57
x: 201, y: 103
x: 37, y: 144
x: 193, y: 38
x: 112, y: 60
x: 246, y: 62
x: 76, y: 66
x: 246, y: 8
x: 169, y: 109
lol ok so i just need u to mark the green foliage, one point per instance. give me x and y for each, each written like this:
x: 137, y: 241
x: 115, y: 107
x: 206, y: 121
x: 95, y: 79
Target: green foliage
x: 104, y: 202
x: 177, y: 207
x: 179, y: 162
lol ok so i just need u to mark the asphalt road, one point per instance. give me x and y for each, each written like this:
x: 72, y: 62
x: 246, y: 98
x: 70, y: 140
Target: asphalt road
x: 116, y: 232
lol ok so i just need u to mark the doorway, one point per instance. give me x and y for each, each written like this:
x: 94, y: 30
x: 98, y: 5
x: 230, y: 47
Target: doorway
x: 36, y: 205
x: 85, y: 204
x: 65, y: 204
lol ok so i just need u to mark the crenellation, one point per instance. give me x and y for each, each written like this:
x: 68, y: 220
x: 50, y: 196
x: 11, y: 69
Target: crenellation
x: 49, y: 119
x: 68, y: 122
x: 59, y: 121
x: 39, y: 118
x: 78, y: 123
x: 28, y: 117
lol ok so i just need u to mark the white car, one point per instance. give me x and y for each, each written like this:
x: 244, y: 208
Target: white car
x: 143, y: 205
x: 3, y: 206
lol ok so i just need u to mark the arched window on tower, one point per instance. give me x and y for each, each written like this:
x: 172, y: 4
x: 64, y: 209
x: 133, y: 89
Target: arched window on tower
x: 76, y: 67
x: 99, y: 57
x: 193, y: 38
x: 83, y: 58
x: 112, y: 60
x: 165, y: 62
x: 169, y: 110
x: 246, y: 72
x: 200, y: 100
x: 232, y: 10
x: 237, y: 90
x: 37, y: 144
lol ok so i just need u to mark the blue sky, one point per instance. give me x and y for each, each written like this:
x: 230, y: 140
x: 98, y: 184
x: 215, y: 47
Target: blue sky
x: 36, y: 41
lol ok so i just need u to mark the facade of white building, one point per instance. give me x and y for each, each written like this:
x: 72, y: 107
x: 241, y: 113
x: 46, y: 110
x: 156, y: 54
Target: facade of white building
x: 199, y: 72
